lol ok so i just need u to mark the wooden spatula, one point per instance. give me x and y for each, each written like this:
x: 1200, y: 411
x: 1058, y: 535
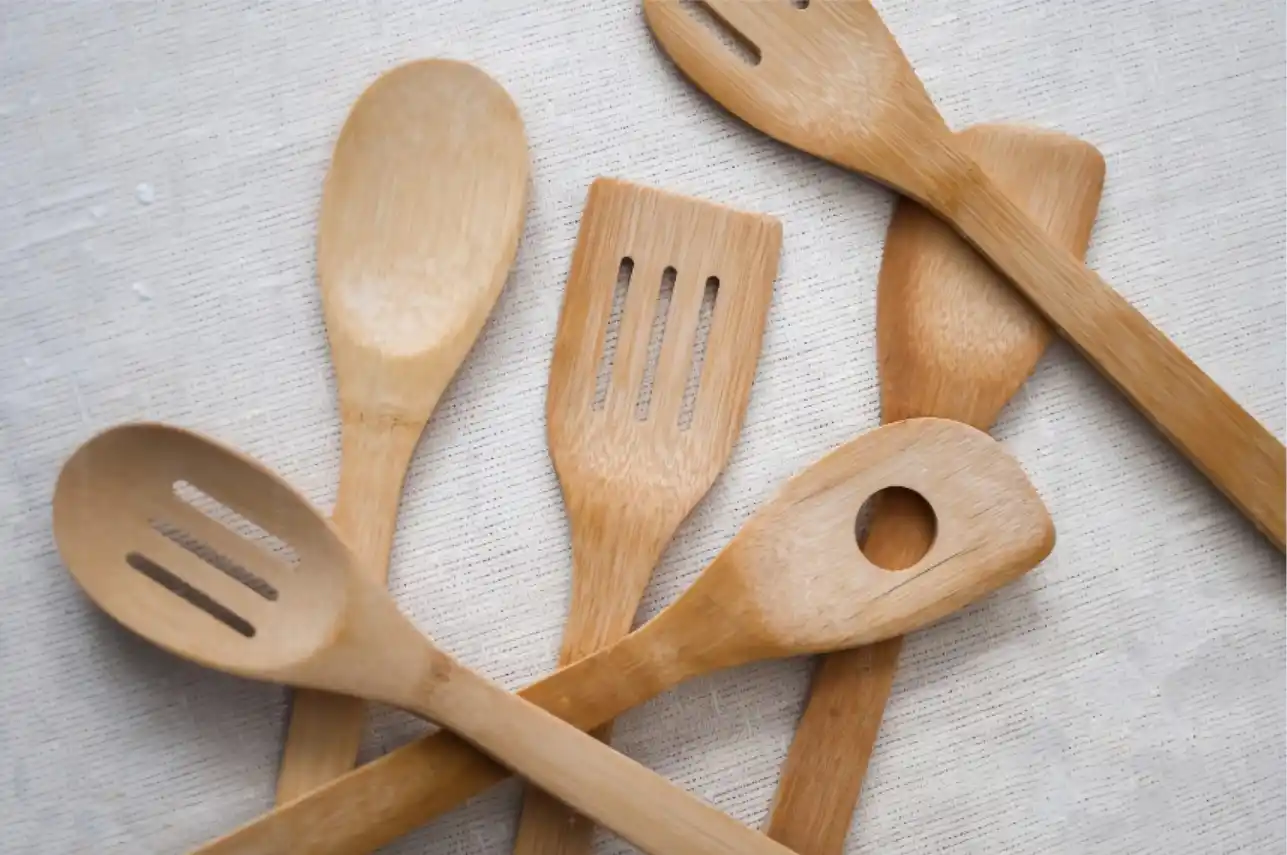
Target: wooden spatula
x: 792, y: 582
x: 642, y: 414
x: 828, y: 78
x: 421, y: 215
x: 953, y: 341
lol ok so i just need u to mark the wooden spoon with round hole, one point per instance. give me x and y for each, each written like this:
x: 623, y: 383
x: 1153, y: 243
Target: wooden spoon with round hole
x: 955, y: 342
x: 421, y: 215
x: 792, y: 582
x: 829, y: 79
x: 182, y: 580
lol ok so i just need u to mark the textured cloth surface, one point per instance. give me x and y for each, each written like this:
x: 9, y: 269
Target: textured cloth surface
x: 160, y: 170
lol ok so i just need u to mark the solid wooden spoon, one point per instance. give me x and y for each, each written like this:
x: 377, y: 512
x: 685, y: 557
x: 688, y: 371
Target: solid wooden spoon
x: 421, y: 215
x: 792, y: 582
x: 828, y: 78
x: 634, y: 464
x: 953, y: 341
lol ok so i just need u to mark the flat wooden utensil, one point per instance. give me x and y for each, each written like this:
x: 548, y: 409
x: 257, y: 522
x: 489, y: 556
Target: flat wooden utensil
x: 792, y: 582
x: 828, y: 78
x: 953, y: 341
x: 694, y: 280
x: 178, y: 577
x: 421, y: 215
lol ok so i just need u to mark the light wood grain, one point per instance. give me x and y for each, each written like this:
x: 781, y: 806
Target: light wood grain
x: 953, y: 341
x: 628, y: 482
x: 831, y: 80
x: 421, y: 215
x: 792, y: 582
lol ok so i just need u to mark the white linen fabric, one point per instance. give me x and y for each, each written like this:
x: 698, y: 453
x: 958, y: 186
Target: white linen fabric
x: 160, y: 170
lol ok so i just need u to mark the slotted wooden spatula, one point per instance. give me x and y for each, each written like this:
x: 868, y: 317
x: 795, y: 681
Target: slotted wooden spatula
x: 953, y: 341
x: 827, y: 77
x: 693, y: 283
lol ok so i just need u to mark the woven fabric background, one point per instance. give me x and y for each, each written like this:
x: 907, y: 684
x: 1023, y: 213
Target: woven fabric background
x: 160, y: 170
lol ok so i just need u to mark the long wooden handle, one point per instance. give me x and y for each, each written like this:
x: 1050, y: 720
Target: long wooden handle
x: 825, y: 767
x: 610, y: 788
x: 1243, y: 459
x: 386, y: 798
x: 611, y: 566
x: 325, y: 730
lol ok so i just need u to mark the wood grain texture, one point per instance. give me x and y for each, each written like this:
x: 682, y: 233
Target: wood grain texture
x: 792, y: 582
x: 953, y: 341
x: 421, y: 214
x: 628, y: 482
x: 832, y: 81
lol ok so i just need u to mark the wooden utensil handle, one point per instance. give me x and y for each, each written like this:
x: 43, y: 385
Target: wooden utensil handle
x: 815, y: 801
x: 606, y: 786
x: 388, y: 797
x: 611, y: 567
x: 1243, y: 459
x: 325, y: 730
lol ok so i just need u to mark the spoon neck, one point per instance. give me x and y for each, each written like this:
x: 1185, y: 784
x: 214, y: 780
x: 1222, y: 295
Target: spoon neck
x: 593, y: 691
x: 375, y: 452
x: 713, y: 625
x: 614, y: 553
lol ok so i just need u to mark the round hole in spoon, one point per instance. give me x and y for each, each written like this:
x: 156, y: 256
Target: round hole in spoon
x: 900, y: 507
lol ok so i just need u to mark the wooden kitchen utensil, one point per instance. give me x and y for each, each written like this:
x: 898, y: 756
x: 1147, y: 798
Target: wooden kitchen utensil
x: 421, y: 215
x: 828, y: 78
x: 953, y: 341
x: 178, y: 577
x: 792, y: 582
x: 634, y: 461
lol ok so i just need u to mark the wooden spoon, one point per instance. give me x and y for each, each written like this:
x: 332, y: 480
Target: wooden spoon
x: 635, y: 464
x: 829, y: 79
x: 421, y: 215
x: 179, y: 578
x: 953, y: 341
x: 792, y: 582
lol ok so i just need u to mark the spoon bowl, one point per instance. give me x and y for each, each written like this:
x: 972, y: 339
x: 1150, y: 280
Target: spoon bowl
x: 133, y: 543
x: 855, y: 101
x: 421, y: 214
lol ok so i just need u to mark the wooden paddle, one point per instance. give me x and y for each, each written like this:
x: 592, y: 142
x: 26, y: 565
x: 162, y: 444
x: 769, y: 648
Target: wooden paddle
x: 953, y: 341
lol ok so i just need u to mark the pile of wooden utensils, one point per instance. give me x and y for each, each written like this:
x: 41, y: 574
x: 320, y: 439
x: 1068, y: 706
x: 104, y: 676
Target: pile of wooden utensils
x: 213, y: 557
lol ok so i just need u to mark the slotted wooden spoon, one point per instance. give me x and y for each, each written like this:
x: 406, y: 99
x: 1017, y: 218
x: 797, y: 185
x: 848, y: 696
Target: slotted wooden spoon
x: 421, y: 215
x: 792, y: 582
x: 829, y: 79
x: 182, y: 580
x: 953, y: 341
x: 634, y: 465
